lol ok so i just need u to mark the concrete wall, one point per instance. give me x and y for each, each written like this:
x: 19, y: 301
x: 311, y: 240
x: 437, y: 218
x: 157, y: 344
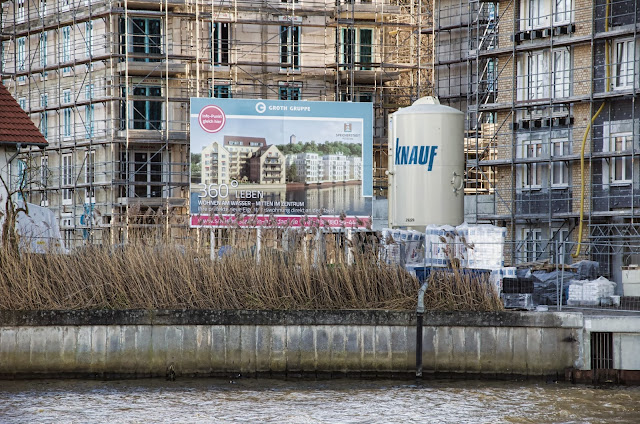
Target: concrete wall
x: 146, y: 343
x: 626, y: 339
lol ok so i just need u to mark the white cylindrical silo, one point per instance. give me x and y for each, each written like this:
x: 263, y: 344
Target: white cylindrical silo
x: 426, y: 165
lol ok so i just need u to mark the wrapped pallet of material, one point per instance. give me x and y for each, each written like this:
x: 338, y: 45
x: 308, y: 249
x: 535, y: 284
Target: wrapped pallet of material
x: 498, y: 275
x: 413, y: 242
x: 439, y: 245
x: 598, y: 289
x: 402, y: 247
x: 574, y: 293
x: 589, y: 292
x: 391, y: 251
x: 480, y: 246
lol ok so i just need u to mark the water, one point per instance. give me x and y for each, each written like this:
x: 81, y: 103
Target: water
x: 332, y: 401
x: 311, y: 200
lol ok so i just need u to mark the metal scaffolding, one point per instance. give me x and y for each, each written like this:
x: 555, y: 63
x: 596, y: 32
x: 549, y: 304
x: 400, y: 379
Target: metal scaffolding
x: 109, y: 81
x: 532, y: 78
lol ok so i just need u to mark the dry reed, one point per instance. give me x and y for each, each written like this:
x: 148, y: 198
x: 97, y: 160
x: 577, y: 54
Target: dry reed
x: 143, y: 276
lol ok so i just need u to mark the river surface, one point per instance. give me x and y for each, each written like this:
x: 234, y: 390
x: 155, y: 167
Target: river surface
x: 330, y: 401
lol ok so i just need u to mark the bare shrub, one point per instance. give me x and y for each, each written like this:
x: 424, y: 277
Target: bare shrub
x: 146, y: 275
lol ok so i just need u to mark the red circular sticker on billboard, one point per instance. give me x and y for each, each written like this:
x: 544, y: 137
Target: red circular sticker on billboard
x: 212, y: 119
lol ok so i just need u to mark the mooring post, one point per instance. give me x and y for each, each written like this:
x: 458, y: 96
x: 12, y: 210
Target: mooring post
x: 419, y: 316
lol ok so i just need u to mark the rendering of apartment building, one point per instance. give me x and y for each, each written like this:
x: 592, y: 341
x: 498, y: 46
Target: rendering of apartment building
x: 307, y: 166
x: 335, y: 167
x: 108, y: 83
x: 215, y: 164
x: 266, y: 166
x: 355, y: 168
x: 550, y: 90
x: 240, y: 151
x: 311, y: 167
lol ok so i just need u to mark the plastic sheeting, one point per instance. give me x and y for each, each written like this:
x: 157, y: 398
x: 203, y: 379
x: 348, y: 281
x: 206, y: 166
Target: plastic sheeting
x: 590, y: 292
x: 474, y: 246
x: 39, y: 231
x: 545, y: 286
x: 587, y: 270
x: 404, y: 247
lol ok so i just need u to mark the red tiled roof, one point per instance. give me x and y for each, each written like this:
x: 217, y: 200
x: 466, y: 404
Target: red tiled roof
x: 15, y: 125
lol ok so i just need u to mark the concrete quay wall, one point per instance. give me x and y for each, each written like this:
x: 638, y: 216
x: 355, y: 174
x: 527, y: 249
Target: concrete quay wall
x: 210, y: 343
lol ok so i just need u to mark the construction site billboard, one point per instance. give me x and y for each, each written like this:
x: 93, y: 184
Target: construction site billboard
x: 280, y: 163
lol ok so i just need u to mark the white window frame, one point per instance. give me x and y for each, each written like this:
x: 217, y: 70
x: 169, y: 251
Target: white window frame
x: 44, y: 179
x: 145, y: 100
x: 43, y: 8
x: 625, y: 56
x: 143, y: 172
x: 21, y: 57
x: 22, y: 101
x: 43, y: 51
x: 5, y: 54
x: 537, y: 76
x: 88, y: 38
x: 564, y: 242
x: 66, y: 123
x: 89, y: 112
x: 44, y: 170
x: 66, y: 226
x: 620, y: 143
x: 66, y: 114
x: 620, y: 128
x: 562, y: 72
x: 67, y: 178
x: 532, y: 171
x: 543, y: 73
x: 290, y: 42
x: 90, y: 176
x: 560, y: 147
x: 535, y: 14
x: 532, y: 244
x: 562, y: 11
x: 44, y: 121
x: 21, y: 5
x: 66, y: 48
x: 350, y: 55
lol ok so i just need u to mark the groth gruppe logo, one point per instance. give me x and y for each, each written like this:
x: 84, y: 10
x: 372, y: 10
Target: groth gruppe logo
x: 211, y: 118
x: 415, y: 155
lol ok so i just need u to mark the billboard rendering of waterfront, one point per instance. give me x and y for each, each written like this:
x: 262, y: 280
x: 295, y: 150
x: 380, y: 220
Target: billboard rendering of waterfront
x: 272, y: 162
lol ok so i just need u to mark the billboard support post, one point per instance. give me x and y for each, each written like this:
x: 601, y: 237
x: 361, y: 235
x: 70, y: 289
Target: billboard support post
x: 212, y: 238
x: 348, y: 244
x: 258, y: 243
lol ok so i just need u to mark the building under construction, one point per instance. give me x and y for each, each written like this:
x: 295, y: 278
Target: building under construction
x: 550, y: 90
x: 108, y: 83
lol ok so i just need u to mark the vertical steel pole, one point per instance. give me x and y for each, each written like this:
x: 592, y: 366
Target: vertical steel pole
x: 419, y: 345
